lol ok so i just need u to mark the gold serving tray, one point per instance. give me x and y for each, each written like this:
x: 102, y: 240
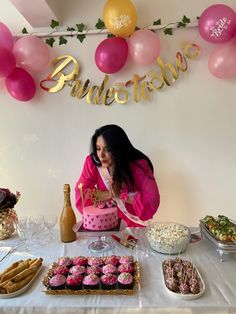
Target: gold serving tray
x: 95, y: 291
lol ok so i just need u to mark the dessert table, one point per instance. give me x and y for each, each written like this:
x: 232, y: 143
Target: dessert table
x: 150, y: 297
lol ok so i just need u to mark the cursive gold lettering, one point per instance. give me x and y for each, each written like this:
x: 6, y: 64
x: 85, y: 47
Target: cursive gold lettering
x: 62, y: 78
x: 121, y: 93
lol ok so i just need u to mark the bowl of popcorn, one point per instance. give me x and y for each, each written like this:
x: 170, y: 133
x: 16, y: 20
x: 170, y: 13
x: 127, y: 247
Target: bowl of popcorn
x: 168, y: 237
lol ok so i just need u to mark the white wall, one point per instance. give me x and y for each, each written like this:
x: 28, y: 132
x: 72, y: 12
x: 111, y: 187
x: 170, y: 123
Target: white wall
x: 187, y: 130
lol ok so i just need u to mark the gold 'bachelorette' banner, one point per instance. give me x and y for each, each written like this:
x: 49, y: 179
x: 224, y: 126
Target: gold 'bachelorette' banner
x: 143, y: 86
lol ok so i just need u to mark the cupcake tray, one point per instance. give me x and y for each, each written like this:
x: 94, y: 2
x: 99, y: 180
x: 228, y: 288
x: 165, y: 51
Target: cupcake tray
x: 99, y: 291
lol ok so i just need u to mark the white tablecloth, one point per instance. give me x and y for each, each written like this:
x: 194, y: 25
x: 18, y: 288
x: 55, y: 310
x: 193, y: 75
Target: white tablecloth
x: 152, y: 297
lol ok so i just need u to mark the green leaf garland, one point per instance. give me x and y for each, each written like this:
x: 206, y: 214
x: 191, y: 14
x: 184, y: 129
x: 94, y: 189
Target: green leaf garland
x: 81, y: 27
x: 100, y: 24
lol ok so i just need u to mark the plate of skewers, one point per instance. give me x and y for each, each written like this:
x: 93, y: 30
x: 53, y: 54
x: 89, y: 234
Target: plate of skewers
x: 182, y: 279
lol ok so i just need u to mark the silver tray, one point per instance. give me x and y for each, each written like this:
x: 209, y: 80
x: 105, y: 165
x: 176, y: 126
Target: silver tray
x: 222, y: 247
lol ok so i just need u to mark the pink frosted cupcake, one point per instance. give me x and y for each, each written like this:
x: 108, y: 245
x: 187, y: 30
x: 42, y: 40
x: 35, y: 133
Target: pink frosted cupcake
x: 126, y: 268
x: 80, y: 261
x: 57, y: 282
x: 65, y: 261
x: 60, y: 270
x: 126, y: 259
x: 94, y: 270
x: 95, y: 261
x: 91, y: 282
x: 77, y: 270
x: 113, y: 259
x: 108, y: 281
x: 125, y: 281
x: 109, y: 268
x: 74, y: 282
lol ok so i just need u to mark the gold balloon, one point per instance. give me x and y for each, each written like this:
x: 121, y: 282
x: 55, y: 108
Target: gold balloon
x: 120, y: 17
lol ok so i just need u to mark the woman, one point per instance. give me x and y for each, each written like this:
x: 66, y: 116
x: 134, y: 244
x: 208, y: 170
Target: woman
x: 115, y: 169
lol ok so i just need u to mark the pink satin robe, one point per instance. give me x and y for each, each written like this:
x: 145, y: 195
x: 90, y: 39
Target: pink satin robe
x: 146, y: 199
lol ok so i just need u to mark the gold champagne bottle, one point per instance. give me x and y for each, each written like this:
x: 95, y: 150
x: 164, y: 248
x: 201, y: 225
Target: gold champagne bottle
x: 68, y: 218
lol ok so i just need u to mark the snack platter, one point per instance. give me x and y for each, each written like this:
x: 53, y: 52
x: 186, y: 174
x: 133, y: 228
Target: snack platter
x: 84, y: 291
x: 181, y: 286
x: 227, y: 246
x: 18, y: 277
x: 221, y: 232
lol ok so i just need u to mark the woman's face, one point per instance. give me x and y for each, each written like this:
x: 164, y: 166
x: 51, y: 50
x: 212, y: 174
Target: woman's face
x: 103, y: 154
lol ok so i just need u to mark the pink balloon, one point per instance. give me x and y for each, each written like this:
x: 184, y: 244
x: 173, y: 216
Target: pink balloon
x: 144, y: 46
x: 31, y: 53
x: 222, y: 60
x: 6, y: 39
x: 217, y: 24
x: 7, y: 62
x: 111, y: 54
x: 20, y: 85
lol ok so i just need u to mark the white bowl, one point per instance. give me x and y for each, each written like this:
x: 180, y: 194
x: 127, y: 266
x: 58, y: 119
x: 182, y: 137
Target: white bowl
x: 168, y: 237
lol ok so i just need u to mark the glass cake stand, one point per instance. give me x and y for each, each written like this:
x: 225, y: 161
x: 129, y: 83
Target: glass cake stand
x: 101, y: 245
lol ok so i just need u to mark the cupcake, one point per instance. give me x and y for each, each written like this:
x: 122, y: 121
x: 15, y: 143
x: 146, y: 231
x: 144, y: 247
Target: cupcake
x: 77, y: 270
x: 125, y: 281
x: 126, y: 268
x: 109, y: 268
x: 60, y: 270
x: 95, y: 261
x: 113, y: 259
x: 80, y: 261
x: 126, y: 259
x: 74, y: 282
x: 93, y: 270
x: 65, y: 261
x: 57, y: 282
x: 108, y: 281
x: 91, y: 282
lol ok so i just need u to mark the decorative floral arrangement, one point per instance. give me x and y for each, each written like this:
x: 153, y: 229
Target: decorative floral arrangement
x: 8, y: 199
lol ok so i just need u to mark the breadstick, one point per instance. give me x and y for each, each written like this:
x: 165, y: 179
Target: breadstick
x: 18, y: 285
x: 14, y: 265
x: 7, y: 284
x: 38, y: 262
x: 15, y: 271
x: 32, y: 261
x: 3, y: 283
x: 24, y: 273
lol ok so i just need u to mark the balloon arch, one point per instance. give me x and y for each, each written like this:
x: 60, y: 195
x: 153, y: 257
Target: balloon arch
x: 28, y: 55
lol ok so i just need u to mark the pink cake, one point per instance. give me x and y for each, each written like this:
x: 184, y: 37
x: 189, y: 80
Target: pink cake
x: 100, y: 219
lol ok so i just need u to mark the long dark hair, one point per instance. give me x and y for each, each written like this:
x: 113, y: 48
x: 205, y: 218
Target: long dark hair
x: 123, y: 152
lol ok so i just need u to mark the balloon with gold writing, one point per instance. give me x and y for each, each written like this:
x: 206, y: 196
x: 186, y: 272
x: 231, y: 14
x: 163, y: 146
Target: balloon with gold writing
x: 120, y: 17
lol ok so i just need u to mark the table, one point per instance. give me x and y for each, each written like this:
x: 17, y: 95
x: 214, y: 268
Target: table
x: 219, y: 278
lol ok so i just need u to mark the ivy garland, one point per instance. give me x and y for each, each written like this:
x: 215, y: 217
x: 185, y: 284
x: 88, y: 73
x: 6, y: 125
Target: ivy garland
x: 81, y: 28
